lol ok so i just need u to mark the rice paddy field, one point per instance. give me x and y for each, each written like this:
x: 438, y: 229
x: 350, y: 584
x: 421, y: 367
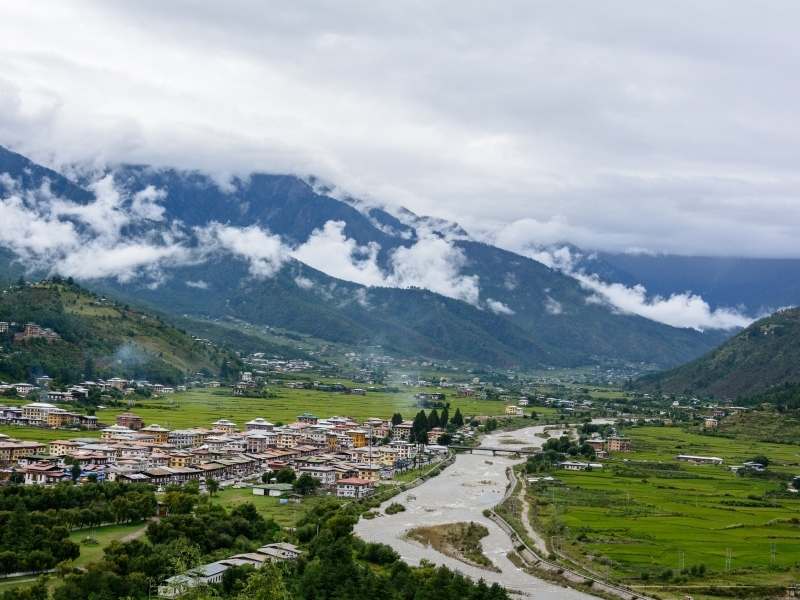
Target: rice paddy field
x: 202, y: 407
x: 679, y: 529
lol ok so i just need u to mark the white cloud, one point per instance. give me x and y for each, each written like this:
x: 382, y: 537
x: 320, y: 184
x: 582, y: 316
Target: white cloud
x: 621, y: 134
x: 431, y: 263
x: 330, y: 251
x: 199, y: 284
x: 679, y: 310
x: 498, y: 307
x: 553, y: 306
x: 264, y: 252
x: 303, y: 282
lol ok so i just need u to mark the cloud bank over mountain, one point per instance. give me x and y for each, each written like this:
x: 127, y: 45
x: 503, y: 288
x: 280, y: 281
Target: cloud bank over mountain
x: 617, y: 127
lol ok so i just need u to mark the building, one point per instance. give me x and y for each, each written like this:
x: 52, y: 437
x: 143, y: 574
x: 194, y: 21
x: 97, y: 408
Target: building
x: 259, y: 424
x: 354, y: 487
x: 37, y: 411
x: 359, y: 437
x: 523, y: 401
x: 280, y: 551
x: 710, y: 423
x: 224, y: 425
x: 619, y: 444
x: 700, y: 460
x: 130, y: 420
x: 514, y: 411
x: 116, y: 432
x: 308, y: 419
x: 12, y: 450
x: 579, y: 466
x: 34, y: 331
x: 44, y: 473
x: 273, y: 490
x: 325, y: 474
x: 160, y: 434
x: 402, y: 431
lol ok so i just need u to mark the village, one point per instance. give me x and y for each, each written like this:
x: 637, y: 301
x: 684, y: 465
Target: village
x: 345, y: 457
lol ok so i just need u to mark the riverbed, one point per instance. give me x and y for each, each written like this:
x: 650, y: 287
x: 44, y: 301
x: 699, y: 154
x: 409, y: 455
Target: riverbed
x: 474, y: 482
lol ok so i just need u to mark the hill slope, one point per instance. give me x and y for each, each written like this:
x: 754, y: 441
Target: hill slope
x: 765, y: 355
x: 98, y: 338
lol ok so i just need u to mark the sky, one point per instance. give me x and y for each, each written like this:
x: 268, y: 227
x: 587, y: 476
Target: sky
x: 622, y: 126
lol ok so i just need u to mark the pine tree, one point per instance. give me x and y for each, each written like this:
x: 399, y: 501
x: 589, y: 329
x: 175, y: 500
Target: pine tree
x: 444, y: 418
x: 433, y: 419
x: 458, y: 419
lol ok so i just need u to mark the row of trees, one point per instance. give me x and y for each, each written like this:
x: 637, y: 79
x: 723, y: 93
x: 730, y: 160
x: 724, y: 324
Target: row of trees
x: 423, y: 424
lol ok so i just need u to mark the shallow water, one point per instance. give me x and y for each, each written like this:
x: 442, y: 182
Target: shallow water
x: 461, y: 493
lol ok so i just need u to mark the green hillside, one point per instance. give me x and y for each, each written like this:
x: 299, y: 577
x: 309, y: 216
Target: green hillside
x: 761, y: 358
x: 98, y: 338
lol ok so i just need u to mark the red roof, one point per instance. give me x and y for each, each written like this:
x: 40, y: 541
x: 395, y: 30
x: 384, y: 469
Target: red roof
x: 354, y: 481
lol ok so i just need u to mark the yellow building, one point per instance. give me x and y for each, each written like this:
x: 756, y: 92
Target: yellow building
x: 359, y: 437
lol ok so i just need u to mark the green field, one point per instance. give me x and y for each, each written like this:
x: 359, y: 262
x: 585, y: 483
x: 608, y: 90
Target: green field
x: 200, y: 408
x: 103, y: 536
x: 44, y: 435
x: 286, y: 515
x: 636, y: 519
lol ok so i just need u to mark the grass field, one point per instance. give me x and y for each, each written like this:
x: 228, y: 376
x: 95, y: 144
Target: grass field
x: 44, y: 435
x: 103, y: 536
x: 202, y: 407
x: 286, y: 515
x: 636, y: 520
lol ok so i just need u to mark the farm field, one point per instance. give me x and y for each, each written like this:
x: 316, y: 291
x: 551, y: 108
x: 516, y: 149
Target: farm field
x: 663, y: 523
x: 38, y: 434
x: 202, y: 407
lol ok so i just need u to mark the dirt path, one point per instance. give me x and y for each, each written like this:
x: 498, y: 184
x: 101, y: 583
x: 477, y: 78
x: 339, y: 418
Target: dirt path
x: 135, y: 535
x: 537, y: 540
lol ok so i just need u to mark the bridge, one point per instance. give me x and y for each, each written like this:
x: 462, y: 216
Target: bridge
x: 495, y: 450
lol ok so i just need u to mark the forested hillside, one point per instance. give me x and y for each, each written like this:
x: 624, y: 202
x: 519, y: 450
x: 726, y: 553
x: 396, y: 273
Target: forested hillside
x: 96, y: 337
x: 762, y: 357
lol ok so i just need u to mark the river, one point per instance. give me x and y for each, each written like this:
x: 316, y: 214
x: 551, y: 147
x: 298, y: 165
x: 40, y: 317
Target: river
x: 460, y: 493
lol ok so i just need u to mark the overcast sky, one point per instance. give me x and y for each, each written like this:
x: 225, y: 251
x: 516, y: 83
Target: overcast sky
x: 613, y: 125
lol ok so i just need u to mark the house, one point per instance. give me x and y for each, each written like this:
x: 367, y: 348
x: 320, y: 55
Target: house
x: 710, y: 423
x: 307, y: 418
x: 44, y: 473
x: 325, y: 474
x: 224, y: 425
x: 579, y: 466
x: 619, y: 444
x: 160, y: 434
x: 280, y: 551
x: 523, y: 401
x: 354, y: 487
x: 434, y: 434
x: 359, y: 437
x: 130, y: 420
x: 402, y: 431
x: 258, y: 424
x: 11, y: 450
x: 514, y: 411
x: 273, y: 490
x: 699, y: 460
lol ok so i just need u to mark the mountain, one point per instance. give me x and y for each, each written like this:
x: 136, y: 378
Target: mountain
x: 762, y: 357
x: 505, y: 309
x: 97, y: 338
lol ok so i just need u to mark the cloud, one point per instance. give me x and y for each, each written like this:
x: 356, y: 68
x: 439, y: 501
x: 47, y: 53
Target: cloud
x: 498, y: 307
x: 199, y: 284
x: 679, y: 310
x: 553, y: 306
x: 330, y: 251
x: 632, y: 127
x: 684, y: 310
x: 264, y: 252
x: 431, y: 263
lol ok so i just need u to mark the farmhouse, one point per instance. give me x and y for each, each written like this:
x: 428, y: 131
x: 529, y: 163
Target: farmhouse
x: 514, y: 411
x: 700, y: 460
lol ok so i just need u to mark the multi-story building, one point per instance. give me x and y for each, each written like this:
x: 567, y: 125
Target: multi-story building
x: 160, y: 434
x: 130, y: 420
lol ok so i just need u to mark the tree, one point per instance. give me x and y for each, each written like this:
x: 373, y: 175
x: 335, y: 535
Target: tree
x: 75, y: 471
x: 444, y: 418
x: 458, y: 418
x: 285, y: 475
x: 265, y: 584
x: 306, y: 484
x: 266, y: 476
x: 433, y: 419
x: 397, y: 418
x: 212, y: 485
x: 419, y: 428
